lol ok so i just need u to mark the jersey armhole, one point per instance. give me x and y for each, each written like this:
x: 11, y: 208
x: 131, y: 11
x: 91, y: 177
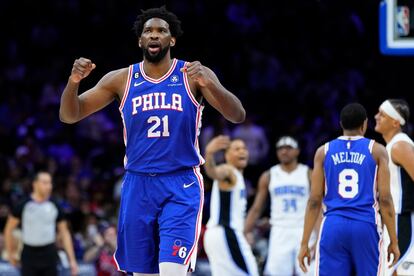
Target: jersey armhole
x: 371, y: 145
x: 127, y: 85
x: 326, y: 147
x: 188, y: 90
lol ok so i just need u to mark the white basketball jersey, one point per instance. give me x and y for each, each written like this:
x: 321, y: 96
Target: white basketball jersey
x: 289, y: 192
x: 228, y: 208
x: 400, y: 182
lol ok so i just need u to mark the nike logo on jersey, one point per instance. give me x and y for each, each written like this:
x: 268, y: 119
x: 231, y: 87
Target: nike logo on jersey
x: 188, y: 185
x: 138, y: 83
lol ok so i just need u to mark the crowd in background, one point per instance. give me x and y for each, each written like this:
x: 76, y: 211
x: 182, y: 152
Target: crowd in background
x: 293, y: 64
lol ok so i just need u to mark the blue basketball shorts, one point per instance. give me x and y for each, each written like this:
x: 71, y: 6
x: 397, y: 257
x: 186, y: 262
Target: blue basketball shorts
x: 348, y: 247
x: 159, y: 220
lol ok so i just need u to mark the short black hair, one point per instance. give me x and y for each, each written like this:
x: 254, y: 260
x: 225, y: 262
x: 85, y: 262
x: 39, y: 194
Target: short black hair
x: 353, y: 116
x: 402, y: 107
x: 162, y: 13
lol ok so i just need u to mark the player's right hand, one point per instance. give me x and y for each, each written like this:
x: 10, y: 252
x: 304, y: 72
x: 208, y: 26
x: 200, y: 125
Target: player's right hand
x: 220, y: 142
x: 13, y: 261
x: 304, y: 252
x: 394, y: 250
x: 82, y: 67
x: 250, y: 238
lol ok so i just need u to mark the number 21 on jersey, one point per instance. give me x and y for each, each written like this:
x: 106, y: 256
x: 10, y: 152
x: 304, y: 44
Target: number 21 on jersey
x: 348, y: 183
x: 155, y: 131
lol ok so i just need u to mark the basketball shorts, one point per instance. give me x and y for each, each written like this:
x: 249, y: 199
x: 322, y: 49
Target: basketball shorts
x: 284, y: 246
x: 348, y: 247
x: 159, y: 220
x: 228, y: 252
x: 405, y: 233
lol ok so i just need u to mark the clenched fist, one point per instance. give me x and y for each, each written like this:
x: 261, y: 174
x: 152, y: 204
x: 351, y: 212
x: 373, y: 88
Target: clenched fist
x: 82, y: 67
x: 199, y: 73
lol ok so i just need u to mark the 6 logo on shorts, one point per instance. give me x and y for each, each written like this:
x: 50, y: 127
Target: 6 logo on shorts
x: 178, y: 249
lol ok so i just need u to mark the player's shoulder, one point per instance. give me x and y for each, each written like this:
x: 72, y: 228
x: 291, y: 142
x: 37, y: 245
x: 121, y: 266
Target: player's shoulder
x: 116, y: 79
x: 118, y: 73
x: 378, y: 150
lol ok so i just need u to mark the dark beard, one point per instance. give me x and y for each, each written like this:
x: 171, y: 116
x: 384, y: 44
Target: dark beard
x: 158, y: 57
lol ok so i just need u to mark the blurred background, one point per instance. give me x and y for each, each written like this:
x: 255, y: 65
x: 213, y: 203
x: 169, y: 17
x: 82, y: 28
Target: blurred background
x: 294, y: 64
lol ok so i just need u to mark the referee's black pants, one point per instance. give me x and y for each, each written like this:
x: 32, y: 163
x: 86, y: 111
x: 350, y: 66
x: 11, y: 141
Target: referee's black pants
x: 39, y: 260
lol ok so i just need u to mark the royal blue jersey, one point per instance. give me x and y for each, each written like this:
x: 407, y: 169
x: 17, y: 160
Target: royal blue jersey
x: 162, y: 121
x: 350, y: 179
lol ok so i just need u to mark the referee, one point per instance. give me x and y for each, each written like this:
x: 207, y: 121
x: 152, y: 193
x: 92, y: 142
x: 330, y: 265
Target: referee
x: 39, y: 217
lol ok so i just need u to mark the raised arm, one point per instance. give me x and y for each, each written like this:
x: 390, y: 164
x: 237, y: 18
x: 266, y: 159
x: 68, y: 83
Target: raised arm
x: 74, y: 107
x: 385, y: 200
x: 313, y: 207
x: 215, y: 93
x: 216, y: 144
x: 256, y: 210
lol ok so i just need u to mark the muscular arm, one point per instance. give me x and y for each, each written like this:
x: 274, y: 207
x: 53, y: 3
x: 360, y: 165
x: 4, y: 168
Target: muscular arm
x: 403, y: 154
x: 313, y: 208
x: 385, y: 199
x: 74, y: 107
x: 216, y: 144
x: 206, y: 81
x: 320, y: 216
x: 259, y: 201
x: 10, y: 242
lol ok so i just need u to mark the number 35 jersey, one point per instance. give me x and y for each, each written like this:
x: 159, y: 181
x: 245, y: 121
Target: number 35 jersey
x: 350, y: 179
x: 289, y: 192
x: 162, y: 121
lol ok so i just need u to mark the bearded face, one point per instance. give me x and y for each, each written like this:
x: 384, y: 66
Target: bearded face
x: 155, y: 54
x: 156, y: 40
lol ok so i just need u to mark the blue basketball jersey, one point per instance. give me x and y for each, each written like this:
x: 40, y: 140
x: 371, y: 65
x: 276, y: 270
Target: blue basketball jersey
x: 350, y: 185
x: 162, y: 121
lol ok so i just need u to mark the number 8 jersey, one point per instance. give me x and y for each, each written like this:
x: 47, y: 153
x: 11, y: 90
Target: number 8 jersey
x: 350, y: 179
x: 162, y: 121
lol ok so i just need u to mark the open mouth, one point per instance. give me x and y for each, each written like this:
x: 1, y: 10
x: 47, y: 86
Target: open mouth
x: 154, y: 47
x: 242, y: 158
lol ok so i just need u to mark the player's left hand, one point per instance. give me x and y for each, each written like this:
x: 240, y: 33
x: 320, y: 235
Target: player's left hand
x: 198, y: 73
x: 74, y: 269
x: 394, y: 250
x: 304, y: 252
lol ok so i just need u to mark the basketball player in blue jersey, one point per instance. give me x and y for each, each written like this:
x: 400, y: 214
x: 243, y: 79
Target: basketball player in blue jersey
x: 351, y: 175
x: 227, y: 249
x: 391, y: 120
x: 160, y: 105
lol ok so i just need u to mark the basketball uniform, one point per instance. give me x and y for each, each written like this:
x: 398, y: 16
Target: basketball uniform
x: 226, y: 247
x: 162, y: 190
x: 350, y: 234
x: 402, y: 190
x: 289, y: 192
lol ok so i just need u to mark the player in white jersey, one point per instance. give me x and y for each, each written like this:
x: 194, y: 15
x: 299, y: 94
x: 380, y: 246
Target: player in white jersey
x: 288, y: 186
x: 226, y: 247
x: 391, y: 119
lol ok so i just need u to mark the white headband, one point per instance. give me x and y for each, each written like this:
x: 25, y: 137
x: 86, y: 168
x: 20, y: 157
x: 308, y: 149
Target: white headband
x: 287, y: 141
x: 388, y: 109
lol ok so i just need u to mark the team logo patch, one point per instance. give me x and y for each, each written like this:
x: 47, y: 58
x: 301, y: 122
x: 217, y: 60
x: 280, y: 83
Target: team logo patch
x: 179, y: 250
x: 136, y: 75
x: 174, y: 78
